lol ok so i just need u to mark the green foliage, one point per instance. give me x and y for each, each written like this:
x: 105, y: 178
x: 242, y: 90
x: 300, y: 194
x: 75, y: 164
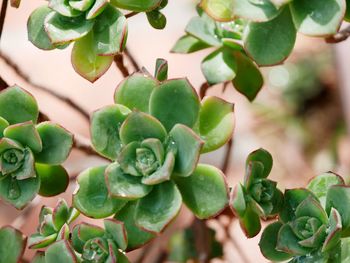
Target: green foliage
x: 310, y: 230
x: 12, y: 245
x: 228, y: 62
x: 151, y: 136
x: 258, y: 197
x: 29, y: 152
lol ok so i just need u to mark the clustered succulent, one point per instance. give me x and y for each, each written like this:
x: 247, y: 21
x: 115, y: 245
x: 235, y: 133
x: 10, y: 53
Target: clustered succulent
x: 30, y: 152
x: 154, y: 135
x: 258, y: 197
x: 229, y: 61
x: 97, y: 28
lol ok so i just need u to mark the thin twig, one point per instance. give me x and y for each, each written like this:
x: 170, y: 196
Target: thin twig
x: 132, y: 60
x: 202, y: 240
x: 203, y: 89
x: 3, y: 15
x: 227, y: 159
x: 342, y: 35
x: 53, y: 93
x: 119, y: 61
x: 131, y: 14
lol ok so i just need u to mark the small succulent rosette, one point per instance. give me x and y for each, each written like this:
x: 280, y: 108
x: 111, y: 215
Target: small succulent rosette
x: 53, y: 225
x: 312, y: 223
x: 12, y: 245
x: 88, y: 243
x: 30, y: 153
x: 228, y: 62
x: 258, y: 197
x: 155, y: 134
x: 97, y: 28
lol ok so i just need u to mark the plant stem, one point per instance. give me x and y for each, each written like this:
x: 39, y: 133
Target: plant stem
x: 132, y: 60
x: 203, y: 89
x: 3, y: 15
x: 202, y: 237
x: 131, y: 14
x: 53, y: 93
x: 119, y: 61
x: 342, y: 35
x: 228, y: 155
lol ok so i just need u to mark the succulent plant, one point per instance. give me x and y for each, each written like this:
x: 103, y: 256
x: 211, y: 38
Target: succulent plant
x: 258, y: 197
x: 310, y: 230
x: 276, y: 23
x: 12, y: 245
x: 154, y: 135
x: 53, y: 225
x: 30, y: 153
x: 228, y: 62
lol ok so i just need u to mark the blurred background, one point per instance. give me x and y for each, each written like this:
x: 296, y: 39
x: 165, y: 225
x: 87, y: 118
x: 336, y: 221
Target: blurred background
x: 301, y: 116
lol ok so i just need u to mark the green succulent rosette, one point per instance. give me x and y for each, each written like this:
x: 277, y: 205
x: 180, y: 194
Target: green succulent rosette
x: 277, y: 22
x: 228, y: 61
x: 310, y: 230
x: 53, y: 225
x: 154, y: 135
x: 258, y: 197
x: 12, y: 245
x: 30, y: 153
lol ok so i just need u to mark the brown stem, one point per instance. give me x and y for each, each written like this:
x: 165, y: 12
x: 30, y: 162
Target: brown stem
x: 119, y: 61
x: 202, y: 240
x: 131, y: 14
x: 3, y: 15
x: 132, y: 60
x: 53, y: 93
x: 228, y: 154
x: 342, y: 35
x: 203, y: 89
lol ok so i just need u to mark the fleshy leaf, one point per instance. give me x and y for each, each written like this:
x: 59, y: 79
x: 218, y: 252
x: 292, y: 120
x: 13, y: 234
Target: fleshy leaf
x: 139, y: 126
x: 288, y: 242
x: 316, y: 18
x: 238, y: 203
x: 188, y: 146
x: 136, y: 236
x: 216, y: 123
x: 127, y: 158
x: 26, y: 134
x: 249, y: 79
x: 86, y: 61
x: 39, y: 257
x: 62, y: 7
x: 117, y: 231
x: 19, y: 192
x: 292, y: 199
x: 3, y: 125
x: 161, y: 70
x: 338, y: 197
x: 311, y: 208
x: 268, y: 242
x: 156, y: 19
x: 250, y: 222
x: 278, y: 36
x: 36, y: 30
x: 37, y: 241
x: 220, y: 10
x: 319, y: 185
x: 81, y: 5
x: 15, y: 3
x: 219, y: 66
x: 334, y: 231
x: 60, y: 214
x: 110, y: 32
x: 92, y: 198
x: 57, y: 143
x: 84, y: 232
x: 62, y: 30
x: 137, y: 5
x: 60, y: 252
x: 135, y: 91
x: 105, y: 125
x: 124, y: 186
x: 264, y: 157
x: 12, y: 245
x: 155, y: 211
x: 17, y: 105
x: 204, y: 29
x: 54, y: 179
x: 97, y: 8
x: 175, y: 101
x: 247, y: 9
x: 205, y: 192
x: 188, y: 44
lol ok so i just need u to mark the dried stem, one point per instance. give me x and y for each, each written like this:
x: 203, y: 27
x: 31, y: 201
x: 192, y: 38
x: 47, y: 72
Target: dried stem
x: 227, y: 158
x: 119, y: 61
x: 53, y: 93
x: 203, y: 89
x: 3, y: 15
x: 342, y: 35
x: 131, y: 14
x: 132, y: 60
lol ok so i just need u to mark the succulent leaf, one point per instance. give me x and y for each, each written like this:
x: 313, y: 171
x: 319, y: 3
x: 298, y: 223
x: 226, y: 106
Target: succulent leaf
x: 54, y: 179
x: 60, y: 252
x: 161, y: 70
x: 117, y: 231
x: 188, y: 44
x: 63, y: 8
x: 12, y: 245
x: 137, y: 5
x: 220, y: 10
x: 97, y: 8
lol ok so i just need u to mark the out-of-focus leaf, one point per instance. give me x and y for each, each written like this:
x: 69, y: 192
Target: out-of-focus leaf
x: 220, y: 10
x: 12, y: 245
x: 54, y: 179
x: 188, y: 44
x: 156, y: 19
x: 137, y: 5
